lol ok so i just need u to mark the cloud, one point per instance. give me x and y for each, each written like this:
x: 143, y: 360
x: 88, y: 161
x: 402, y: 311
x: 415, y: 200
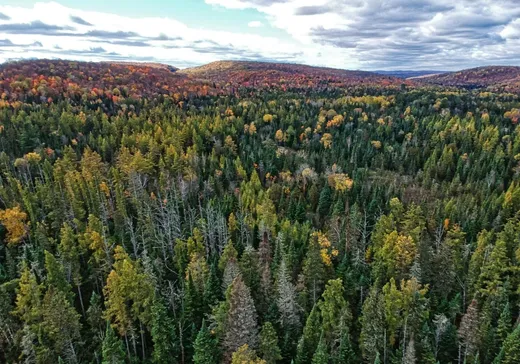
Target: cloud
x: 355, y: 34
x: 51, y: 30
x: 243, y: 4
x: 110, y: 34
x: 312, y: 10
x: 35, y: 27
x: 255, y: 24
x: 130, y: 43
x: 6, y: 43
x: 80, y: 21
x: 395, y: 34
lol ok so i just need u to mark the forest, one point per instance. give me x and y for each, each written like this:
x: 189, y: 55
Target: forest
x: 256, y: 213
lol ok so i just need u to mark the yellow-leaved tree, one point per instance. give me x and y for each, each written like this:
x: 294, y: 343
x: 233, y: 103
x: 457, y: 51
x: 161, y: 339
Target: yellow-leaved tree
x: 14, y: 221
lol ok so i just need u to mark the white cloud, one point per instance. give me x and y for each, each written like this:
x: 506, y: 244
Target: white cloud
x: 255, y: 24
x: 368, y: 34
x: 76, y: 33
x: 443, y: 34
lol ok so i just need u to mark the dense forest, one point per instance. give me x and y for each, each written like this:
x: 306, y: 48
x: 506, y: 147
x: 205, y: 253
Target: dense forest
x: 256, y: 213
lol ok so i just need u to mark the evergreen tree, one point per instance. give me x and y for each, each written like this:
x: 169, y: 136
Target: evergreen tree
x: 269, y: 349
x: 163, y: 334
x: 205, y: 347
x: 310, y: 337
x: 511, y: 348
x: 504, y: 325
x: 112, y: 351
x: 325, y: 201
x: 241, y: 324
x: 372, y: 337
x: 335, y: 313
x: 321, y: 356
x: 469, y: 330
x: 286, y: 299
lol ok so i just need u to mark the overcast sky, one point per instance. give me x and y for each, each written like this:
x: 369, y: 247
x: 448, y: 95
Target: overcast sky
x: 351, y: 34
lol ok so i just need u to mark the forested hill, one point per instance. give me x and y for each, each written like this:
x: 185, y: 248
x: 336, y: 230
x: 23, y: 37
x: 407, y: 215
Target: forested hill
x: 257, y: 74
x: 495, y: 78
x: 255, y: 213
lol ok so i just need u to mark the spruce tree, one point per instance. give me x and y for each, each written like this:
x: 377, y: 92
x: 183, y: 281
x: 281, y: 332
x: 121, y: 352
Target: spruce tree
x: 372, y: 325
x: 321, y: 356
x: 205, y: 347
x: 269, y: 349
x: 286, y: 299
x: 512, y: 348
x: 112, y: 348
x: 241, y: 324
x: 163, y: 334
x: 310, y: 338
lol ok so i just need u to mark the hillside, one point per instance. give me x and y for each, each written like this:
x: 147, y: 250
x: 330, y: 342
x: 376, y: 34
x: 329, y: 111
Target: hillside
x: 498, y: 78
x: 257, y: 74
x: 43, y: 79
x: 39, y: 80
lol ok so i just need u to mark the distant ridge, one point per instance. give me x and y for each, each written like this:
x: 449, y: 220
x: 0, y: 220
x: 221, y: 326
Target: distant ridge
x: 499, y: 78
x: 251, y: 73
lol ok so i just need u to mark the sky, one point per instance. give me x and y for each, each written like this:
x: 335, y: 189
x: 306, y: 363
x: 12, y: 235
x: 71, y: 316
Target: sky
x: 350, y: 34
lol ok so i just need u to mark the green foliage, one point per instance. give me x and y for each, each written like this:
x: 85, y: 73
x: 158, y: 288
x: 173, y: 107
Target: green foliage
x: 269, y: 349
x: 112, y: 348
x: 205, y: 347
x: 287, y: 213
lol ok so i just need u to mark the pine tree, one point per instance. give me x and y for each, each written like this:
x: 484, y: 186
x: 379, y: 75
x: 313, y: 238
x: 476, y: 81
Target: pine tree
x: 249, y: 269
x: 212, y: 288
x: 310, y: 338
x: 372, y: 325
x: 269, y: 349
x: 286, y: 299
x: 492, y: 276
x: 56, y: 276
x: 113, y: 352
x: 504, y: 325
x: 409, y: 356
x: 377, y: 359
x: 205, y: 347
x: 128, y: 293
x: 512, y: 348
x: 345, y: 352
x: 469, y: 329
x: 314, y: 270
x: 163, y: 333
x: 335, y: 312
x: 325, y: 201
x: 241, y: 323
x: 321, y: 356
x: 61, y: 323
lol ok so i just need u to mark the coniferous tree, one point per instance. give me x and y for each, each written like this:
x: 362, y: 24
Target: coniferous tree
x: 469, y: 334
x: 163, y: 334
x: 372, y: 337
x: 205, y: 347
x: 112, y: 351
x: 241, y: 325
x: 511, y: 347
x: 269, y: 349
x: 321, y: 356
x: 310, y: 338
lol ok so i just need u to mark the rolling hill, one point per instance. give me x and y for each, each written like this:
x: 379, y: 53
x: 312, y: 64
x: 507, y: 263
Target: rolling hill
x: 248, y: 73
x: 495, y: 78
